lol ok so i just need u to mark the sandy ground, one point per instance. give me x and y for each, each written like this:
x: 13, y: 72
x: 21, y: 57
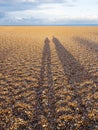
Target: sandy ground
x: 48, y: 78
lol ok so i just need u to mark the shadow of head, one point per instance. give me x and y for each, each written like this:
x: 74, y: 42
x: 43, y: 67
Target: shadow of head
x: 47, y: 40
x: 58, y: 43
x: 54, y: 38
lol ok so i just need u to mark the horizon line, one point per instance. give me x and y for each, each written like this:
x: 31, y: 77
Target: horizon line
x: 55, y: 25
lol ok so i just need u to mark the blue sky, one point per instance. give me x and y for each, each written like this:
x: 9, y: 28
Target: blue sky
x: 48, y: 12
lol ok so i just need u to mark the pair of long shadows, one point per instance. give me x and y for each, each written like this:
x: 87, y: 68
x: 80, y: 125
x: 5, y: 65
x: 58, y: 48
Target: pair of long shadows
x: 72, y: 69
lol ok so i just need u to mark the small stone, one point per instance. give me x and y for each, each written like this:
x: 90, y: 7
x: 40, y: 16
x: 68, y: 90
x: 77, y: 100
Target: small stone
x: 44, y: 125
x: 0, y: 75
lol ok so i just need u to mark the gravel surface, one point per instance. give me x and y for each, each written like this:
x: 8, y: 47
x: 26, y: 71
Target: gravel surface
x: 48, y: 78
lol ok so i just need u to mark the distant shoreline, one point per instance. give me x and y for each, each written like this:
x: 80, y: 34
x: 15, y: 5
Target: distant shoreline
x: 57, y: 25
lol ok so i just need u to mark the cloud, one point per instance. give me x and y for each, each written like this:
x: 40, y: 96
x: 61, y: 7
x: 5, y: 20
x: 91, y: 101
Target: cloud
x: 39, y: 1
x: 40, y: 21
x: 29, y: 1
x: 16, y: 5
x: 20, y: 5
x: 2, y: 14
x: 50, y: 12
x: 48, y: 15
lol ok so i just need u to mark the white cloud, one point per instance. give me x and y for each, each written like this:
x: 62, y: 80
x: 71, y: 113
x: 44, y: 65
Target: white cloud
x: 46, y: 12
x: 49, y: 14
x: 28, y: 1
x: 17, y: 1
x: 40, y: 1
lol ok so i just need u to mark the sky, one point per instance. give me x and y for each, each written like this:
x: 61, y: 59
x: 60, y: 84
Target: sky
x: 48, y: 12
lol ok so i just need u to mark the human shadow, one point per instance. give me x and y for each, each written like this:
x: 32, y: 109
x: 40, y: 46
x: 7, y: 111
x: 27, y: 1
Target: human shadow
x: 76, y: 75
x: 92, y: 46
x: 87, y: 43
x: 74, y: 71
x: 45, y: 91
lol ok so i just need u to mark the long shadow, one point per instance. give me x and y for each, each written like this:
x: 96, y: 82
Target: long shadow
x: 45, y: 74
x: 74, y: 71
x: 89, y: 44
x: 93, y: 46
